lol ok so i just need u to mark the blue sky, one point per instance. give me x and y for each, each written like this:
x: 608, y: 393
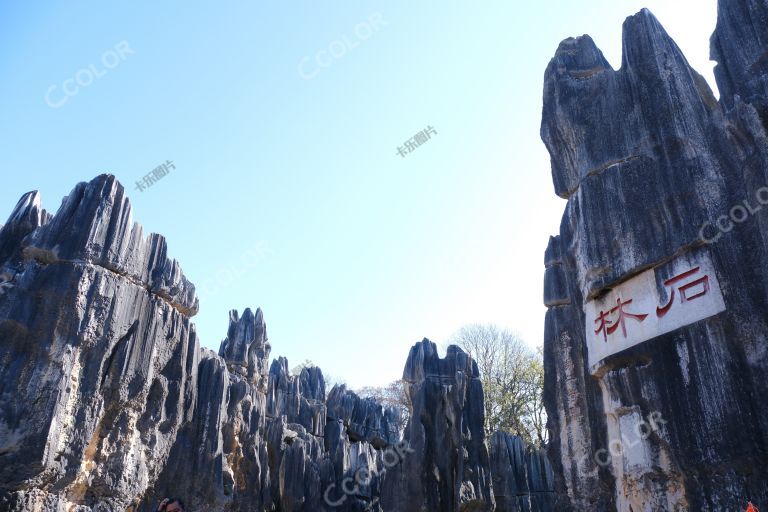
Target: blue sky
x: 360, y: 252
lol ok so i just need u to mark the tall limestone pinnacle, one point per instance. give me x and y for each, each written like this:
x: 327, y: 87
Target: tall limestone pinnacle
x: 655, y: 334
x: 108, y: 402
x: 98, y: 358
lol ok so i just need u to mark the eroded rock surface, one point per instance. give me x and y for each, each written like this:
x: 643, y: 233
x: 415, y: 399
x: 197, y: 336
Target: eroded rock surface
x: 652, y: 166
x: 108, y: 402
x: 98, y: 358
x: 447, y: 466
x: 522, y: 476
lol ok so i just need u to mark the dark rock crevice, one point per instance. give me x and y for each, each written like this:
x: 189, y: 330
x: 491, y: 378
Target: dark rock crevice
x: 699, y: 159
x: 108, y: 402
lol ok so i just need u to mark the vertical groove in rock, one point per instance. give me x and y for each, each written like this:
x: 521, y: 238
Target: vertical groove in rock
x: 96, y: 353
x: 447, y: 466
x: 649, y: 162
x: 108, y: 402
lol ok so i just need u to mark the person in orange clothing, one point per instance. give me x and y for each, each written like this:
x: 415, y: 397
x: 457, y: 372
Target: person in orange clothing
x: 752, y: 508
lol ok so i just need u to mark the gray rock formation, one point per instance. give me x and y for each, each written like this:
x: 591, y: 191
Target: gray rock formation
x: 108, y: 402
x: 522, y: 477
x: 246, y: 349
x: 649, y: 411
x: 447, y: 466
x: 98, y: 359
x: 364, y: 418
x: 300, y: 398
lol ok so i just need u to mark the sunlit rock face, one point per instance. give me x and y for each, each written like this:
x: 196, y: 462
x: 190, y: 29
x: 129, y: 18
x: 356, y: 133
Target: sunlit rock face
x: 659, y: 403
x: 98, y: 359
x: 109, y: 403
x: 447, y: 466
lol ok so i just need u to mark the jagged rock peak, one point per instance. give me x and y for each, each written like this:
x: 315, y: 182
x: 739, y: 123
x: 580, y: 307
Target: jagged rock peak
x: 246, y: 347
x: 628, y: 142
x: 645, y: 43
x: 660, y: 97
x: 108, y: 402
x: 739, y: 48
x: 105, y: 236
x: 448, y: 466
x: 312, y: 383
x: 29, y: 211
x: 27, y: 216
x: 98, y: 358
x: 647, y: 159
x: 299, y: 398
x: 309, y: 383
x: 424, y: 362
x: 365, y: 419
x: 579, y: 58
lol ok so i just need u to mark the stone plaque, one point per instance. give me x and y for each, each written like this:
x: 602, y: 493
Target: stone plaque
x: 650, y: 304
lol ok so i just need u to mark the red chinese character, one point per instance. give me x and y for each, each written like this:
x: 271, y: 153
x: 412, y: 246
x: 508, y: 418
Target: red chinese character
x: 609, y: 327
x: 620, y: 321
x: 604, y: 322
x: 684, y: 297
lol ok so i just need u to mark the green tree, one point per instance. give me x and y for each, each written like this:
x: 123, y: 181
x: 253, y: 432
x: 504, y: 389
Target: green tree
x: 536, y: 414
x: 513, y: 380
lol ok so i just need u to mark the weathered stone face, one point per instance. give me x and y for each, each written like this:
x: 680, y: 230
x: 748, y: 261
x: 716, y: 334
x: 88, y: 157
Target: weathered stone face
x: 108, y: 402
x: 447, y: 466
x: 246, y: 348
x: 97, y: 355
x: 738, y: 46
x: 364, y: 418
x: 665, y: 410
x: 522, y: 477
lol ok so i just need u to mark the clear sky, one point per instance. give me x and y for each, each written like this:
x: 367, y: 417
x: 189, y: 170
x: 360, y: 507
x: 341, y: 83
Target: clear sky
x: 283, y: 121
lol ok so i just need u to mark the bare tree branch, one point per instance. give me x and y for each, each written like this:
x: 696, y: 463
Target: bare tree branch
x: 513, y: 380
